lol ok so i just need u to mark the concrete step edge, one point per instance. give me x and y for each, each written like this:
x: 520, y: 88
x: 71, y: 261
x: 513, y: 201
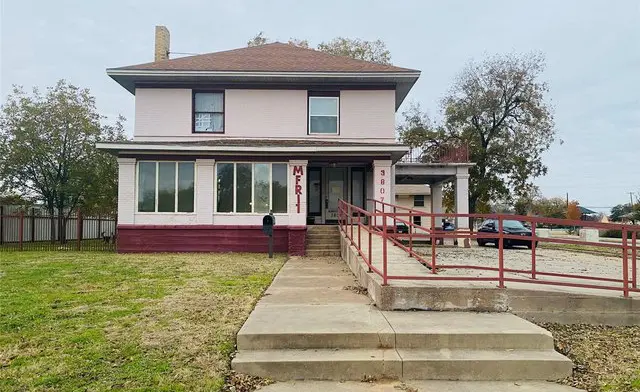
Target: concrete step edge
x: 353, y: 364
x: 373, y: 339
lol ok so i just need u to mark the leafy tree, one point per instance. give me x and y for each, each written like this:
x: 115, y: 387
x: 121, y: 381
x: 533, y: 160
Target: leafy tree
x: 555, y: 207
x: 573, y: 211
x: 375, y: 51
x: 48, y: 152
x: 497, y: 108
x: 303, y: 43
x: 258, y: 40
x: 620, y: 211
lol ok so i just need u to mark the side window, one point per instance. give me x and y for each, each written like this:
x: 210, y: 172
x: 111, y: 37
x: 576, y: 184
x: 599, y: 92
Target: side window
x: 418, y: 200
x: 324, y: 114
x: 208, y: 112
x: 165, y: 186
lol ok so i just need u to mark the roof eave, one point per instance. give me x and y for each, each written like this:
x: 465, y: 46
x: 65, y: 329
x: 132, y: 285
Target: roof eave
x: 403, y: 81
x: 396, y: 151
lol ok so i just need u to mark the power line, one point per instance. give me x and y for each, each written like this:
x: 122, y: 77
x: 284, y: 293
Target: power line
x: 186, y: 53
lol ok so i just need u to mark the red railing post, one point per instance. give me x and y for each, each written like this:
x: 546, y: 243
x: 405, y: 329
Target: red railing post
x: 384, y: 249
x: 369, y: 248
x: 395, y: 221
x: 433, y: 244
x: 350, y: 220
x: 21, y: 228
x: 500, y: 254
x: 79, y: 230
x: 533, y: 250
x: 358, y: 221
x: 410, y: 231
x: 625, y: 264
x: 634, y: 250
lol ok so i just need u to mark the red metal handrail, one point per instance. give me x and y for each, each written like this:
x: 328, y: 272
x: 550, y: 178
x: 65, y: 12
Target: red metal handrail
x: 385, y: 213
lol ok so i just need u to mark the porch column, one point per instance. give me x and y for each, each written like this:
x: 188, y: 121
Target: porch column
x: 462, y: 202
x: 436, y: 201
x: 205, y: 190
x: 462, y: 198
x: 297, y: 193
x: 382, y: 179
x: 126, y: 191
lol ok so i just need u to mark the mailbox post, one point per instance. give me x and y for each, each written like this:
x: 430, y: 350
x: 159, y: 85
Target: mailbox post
x: 268, y: 221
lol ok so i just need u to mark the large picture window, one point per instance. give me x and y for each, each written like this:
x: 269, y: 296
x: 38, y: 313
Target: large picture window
x: 323, y: 114
x: 165, y: 186
x: 251, y: 187
x: 208, y: 112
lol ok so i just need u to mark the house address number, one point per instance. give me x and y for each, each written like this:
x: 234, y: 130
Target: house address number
x: 381, y: 187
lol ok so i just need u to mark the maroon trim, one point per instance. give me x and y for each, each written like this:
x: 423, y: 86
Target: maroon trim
x: 313, y: 159
x: 267, y: 86
x: 209, y: 238
x: 206, y: 227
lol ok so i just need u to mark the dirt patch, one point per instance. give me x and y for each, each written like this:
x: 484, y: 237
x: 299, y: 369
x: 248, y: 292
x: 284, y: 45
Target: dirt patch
x: 605, y: 358
x: 238, y: 382
x: 356, y: 289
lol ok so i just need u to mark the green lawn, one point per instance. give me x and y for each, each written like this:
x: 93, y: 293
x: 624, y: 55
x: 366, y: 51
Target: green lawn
x: 100, y: 321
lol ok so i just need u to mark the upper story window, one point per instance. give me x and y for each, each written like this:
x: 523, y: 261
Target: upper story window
x: 208, y: 112
x: 165, y: 186
x: 324, y: 113
x: 418, y: 200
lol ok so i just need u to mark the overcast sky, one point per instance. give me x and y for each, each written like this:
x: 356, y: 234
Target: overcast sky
x: 592, y: 50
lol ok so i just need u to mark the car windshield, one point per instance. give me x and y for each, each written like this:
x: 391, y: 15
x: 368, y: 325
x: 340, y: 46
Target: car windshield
x: 513, y: 224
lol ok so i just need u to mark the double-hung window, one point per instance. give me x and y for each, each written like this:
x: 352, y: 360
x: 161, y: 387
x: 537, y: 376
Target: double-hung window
x: 324, y: 113
x: 165, y: 186
x: 251, y: 187
x: 208, y: 112
x: 418, y: 200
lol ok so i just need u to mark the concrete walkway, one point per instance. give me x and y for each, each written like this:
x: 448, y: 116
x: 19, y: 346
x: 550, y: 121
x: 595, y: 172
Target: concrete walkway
x: 313, y: 324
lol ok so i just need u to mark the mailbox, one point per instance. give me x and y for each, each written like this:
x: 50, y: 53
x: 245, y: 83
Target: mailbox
x: 268, y: 221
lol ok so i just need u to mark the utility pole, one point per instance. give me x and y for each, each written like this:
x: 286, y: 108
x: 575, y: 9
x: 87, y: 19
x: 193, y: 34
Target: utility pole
x: 631, y: 198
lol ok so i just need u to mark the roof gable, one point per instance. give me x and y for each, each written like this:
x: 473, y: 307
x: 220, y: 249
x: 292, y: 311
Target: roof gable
x: 275, y: 57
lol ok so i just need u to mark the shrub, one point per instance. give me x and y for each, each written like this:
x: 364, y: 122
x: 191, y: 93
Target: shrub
x: 613, y: 233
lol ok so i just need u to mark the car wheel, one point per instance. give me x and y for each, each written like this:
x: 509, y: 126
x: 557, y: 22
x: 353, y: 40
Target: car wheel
x: 507, y: 244
x: 482, y: 243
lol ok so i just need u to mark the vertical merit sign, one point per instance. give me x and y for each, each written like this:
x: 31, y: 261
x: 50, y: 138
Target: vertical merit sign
x: 298, y: 173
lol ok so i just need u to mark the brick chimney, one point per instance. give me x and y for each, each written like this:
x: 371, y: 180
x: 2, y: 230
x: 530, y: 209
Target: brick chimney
x: 162, y: 44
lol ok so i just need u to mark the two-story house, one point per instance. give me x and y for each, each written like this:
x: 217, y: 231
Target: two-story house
x: 222, y: 139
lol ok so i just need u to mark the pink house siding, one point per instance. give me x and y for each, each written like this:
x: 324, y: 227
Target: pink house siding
x: 266, y: 113
x: 165, y: 114
x: 162, y: 113
x: 368, y: 116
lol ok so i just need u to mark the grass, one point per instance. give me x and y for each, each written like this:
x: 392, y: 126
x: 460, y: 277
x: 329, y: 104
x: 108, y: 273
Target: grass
x: 605, y: 358
x: 101, y: 321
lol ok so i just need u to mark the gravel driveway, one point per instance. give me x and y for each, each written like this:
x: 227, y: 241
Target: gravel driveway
x: 547, y: 260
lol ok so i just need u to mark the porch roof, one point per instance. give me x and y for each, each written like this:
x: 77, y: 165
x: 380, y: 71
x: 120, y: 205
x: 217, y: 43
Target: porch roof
x: 261, y: 147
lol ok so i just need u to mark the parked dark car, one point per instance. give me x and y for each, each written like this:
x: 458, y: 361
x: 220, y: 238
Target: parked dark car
x: 402, y: 228
x: 511, y: 227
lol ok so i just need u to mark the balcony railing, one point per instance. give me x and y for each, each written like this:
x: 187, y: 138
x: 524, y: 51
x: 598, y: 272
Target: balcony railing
x: 440, y: 154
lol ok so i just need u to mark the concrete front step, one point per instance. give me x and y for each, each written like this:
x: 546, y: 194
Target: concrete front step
x: 322, y: 229
x: 324, y: 246
x: 357, y: 326
x: 355, y: 364
x: 323, y: 236
x: 319, y: 252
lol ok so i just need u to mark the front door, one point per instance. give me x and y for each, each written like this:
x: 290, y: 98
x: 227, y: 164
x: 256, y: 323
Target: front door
x: 336, y: 180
